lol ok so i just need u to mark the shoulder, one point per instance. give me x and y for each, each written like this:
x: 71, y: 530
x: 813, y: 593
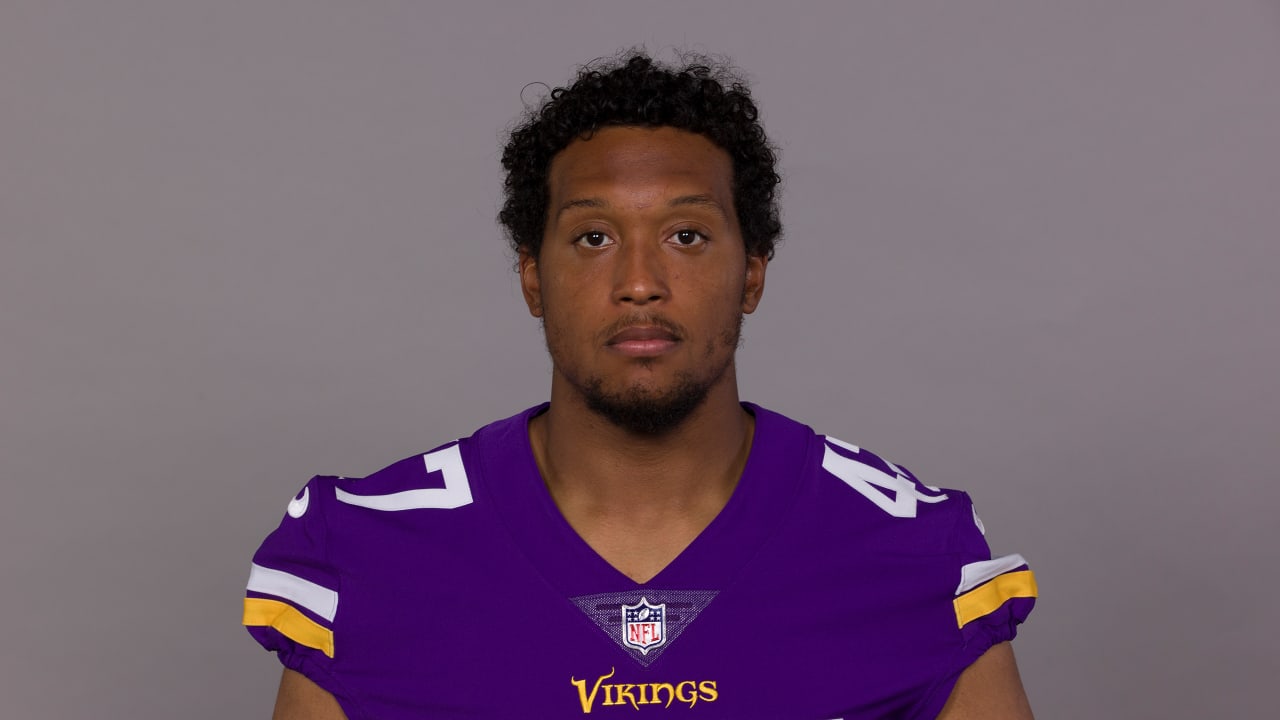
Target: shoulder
x: 874, y: 509
x: 910, y: 551
x: 861, y: 488
x: 344, y: 538
x: 334, y: 515
x: 441, y: 478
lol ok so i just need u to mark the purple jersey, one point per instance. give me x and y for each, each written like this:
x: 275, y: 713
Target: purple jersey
x: 832, y: 585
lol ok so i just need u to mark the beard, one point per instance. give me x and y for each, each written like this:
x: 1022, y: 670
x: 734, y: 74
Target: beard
x: 650, y: 412
x: 645, y: 412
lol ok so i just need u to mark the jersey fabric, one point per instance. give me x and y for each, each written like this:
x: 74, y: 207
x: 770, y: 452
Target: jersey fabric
x: 833, y: 584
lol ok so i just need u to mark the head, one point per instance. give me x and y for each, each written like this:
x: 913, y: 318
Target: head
x: 640, y: 202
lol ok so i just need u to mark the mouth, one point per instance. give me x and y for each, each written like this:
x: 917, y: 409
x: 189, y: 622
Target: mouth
x: 642, y: 341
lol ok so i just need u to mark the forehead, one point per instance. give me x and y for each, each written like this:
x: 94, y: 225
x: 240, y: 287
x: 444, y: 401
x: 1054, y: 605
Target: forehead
x: 674, y: 160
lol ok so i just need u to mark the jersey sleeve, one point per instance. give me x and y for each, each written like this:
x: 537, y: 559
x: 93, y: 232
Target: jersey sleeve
x: 291, y: 600
x: 992, y: 597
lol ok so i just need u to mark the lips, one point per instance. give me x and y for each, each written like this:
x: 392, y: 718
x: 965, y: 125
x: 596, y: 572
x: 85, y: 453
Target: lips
x: 642, y: 333
x: 643, y: 340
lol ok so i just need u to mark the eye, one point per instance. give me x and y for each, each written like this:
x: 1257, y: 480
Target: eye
x: 688, y: 238
x: 593, y: 239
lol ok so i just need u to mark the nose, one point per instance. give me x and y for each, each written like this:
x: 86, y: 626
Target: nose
x: 640, y: 276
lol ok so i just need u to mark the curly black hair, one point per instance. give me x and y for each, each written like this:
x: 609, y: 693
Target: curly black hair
x: 702, y: 97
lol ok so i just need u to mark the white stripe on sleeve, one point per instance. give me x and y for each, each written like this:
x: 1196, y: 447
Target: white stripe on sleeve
x: 974, y: 574
x: 316, y: 598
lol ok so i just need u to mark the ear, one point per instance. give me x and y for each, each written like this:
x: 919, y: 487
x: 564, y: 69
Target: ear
x: 530, y: 283
x: 753, y: 289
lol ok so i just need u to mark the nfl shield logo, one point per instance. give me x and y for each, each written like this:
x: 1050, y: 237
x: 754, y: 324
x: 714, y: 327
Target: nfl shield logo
x: 644, y: 626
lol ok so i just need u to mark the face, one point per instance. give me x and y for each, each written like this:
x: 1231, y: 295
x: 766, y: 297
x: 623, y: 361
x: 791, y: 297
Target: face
x: 642, y: 279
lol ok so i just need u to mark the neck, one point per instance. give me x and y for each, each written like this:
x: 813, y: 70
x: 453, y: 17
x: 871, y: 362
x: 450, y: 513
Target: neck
x: 585, y: 455
x: 638, y: 500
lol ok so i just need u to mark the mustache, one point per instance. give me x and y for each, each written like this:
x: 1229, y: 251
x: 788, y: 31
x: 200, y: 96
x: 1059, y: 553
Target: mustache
x: 642, y: 320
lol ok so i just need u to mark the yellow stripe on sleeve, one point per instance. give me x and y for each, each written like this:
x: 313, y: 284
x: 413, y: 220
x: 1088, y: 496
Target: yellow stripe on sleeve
x: 289, y: 621
x: 989, y: 596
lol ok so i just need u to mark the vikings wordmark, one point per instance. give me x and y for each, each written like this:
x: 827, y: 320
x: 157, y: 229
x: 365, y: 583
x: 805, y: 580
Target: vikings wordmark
x: 687, y: 692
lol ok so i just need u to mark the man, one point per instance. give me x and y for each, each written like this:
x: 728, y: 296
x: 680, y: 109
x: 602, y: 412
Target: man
x: 645, y: 541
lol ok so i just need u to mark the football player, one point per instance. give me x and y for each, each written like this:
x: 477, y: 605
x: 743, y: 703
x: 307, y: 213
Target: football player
x: 645, y: 541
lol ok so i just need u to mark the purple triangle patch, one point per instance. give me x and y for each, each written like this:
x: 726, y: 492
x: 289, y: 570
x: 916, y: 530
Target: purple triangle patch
x: 644, y: 622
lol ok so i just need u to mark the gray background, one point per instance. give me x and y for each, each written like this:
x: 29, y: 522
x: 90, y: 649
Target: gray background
x: 1030, y: 252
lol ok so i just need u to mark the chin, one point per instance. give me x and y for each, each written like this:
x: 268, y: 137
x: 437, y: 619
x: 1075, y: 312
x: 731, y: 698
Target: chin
x: 645, y: 410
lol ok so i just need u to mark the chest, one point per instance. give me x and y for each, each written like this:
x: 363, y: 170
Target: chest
x: 800, y: 633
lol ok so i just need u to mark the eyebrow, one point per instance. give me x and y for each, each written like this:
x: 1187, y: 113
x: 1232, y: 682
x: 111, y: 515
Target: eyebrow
x: 706, y: 201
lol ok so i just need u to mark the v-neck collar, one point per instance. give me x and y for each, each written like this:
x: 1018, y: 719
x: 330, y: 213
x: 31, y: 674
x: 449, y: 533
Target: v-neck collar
x: 513, y: 484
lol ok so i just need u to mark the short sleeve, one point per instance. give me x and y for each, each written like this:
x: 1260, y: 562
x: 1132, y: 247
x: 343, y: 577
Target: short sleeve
x: 992, y: 597
x: 291, y: 599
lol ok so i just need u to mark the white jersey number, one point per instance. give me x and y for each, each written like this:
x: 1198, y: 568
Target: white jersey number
x: 897, y: 495
x: 455, y: 493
